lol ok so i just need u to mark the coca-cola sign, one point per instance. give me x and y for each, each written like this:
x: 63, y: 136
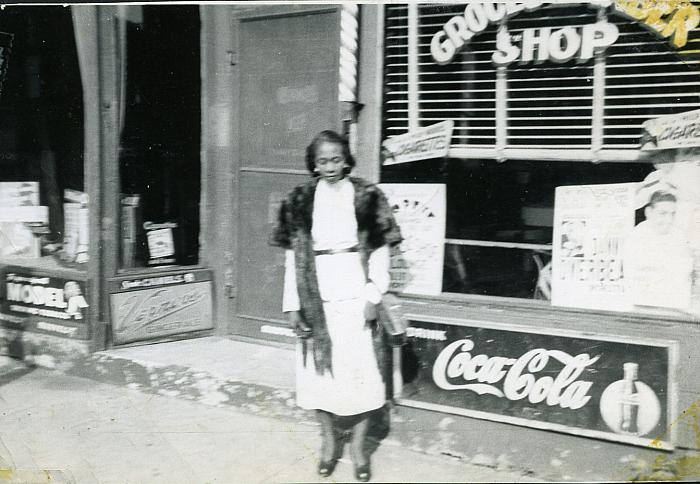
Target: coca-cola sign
x: 551, y: 380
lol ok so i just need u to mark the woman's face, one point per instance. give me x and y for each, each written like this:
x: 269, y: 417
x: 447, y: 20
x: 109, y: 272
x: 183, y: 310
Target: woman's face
x: 330, y: 161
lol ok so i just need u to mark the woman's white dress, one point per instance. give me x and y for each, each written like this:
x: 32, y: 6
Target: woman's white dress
x: 356, y: 385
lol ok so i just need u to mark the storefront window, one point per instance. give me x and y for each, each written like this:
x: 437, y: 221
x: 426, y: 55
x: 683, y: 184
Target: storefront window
x: 160, y: 137
x: 42, y: 199
x: 553, y: 115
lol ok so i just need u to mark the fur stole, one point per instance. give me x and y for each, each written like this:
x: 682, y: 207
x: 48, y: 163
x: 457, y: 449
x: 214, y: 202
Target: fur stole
x: 376, y: 227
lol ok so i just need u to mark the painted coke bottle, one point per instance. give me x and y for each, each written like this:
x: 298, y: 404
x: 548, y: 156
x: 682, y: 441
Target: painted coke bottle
x: 629, y: 403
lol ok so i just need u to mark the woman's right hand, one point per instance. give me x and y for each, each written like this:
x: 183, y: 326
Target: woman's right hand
x: 296, y: 322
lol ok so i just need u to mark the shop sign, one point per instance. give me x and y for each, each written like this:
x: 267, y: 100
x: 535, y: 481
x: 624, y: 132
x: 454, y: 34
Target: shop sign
x: 5, y: 48
x: 421, y: 144
x: 672, y: 19
x: 543, y: 44
x: 420, y: 211
x: 147, y: 308
x: 596, y: 386
x: 672, y: 131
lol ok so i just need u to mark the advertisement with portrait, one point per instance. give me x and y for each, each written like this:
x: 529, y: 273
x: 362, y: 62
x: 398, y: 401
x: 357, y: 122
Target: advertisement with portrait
x: 668, y: 201
x: 600, y: 386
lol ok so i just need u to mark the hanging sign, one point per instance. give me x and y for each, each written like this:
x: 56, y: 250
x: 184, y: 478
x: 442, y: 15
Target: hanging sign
x: 421, y: 144
x: 606, y: 387
x: 672, y: 131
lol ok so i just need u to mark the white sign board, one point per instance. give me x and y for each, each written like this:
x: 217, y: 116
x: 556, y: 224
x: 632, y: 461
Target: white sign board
x: 421, y: 144
x: 591, y: 223
x: 417, y: 264
x: 673, y: 131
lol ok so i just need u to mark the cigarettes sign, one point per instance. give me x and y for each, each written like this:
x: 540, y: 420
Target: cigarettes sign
x: 421, y: 144
x: 599, y: 387
x: 673, y: 131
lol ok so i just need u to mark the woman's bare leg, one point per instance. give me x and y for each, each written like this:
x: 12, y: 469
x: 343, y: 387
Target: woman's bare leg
x: 328, y: 450
x: 359, y: 437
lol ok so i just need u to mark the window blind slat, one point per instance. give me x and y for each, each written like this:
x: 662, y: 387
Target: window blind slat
x: 645, y: 78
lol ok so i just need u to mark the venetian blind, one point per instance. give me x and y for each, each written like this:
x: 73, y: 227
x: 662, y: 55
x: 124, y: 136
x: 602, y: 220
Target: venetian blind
x: 550, y: 106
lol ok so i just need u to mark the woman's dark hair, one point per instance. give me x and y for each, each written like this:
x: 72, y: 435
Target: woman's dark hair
x: 328, y: 136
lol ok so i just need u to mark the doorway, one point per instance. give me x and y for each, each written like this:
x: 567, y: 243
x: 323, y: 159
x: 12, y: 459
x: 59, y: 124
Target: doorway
x: 288, y: 81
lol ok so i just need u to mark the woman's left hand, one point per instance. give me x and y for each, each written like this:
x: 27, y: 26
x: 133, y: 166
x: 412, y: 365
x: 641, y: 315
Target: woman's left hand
x: 370, y: 311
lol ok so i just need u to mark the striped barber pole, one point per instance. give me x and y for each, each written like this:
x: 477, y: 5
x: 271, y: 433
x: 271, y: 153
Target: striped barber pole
x: 347, y: 84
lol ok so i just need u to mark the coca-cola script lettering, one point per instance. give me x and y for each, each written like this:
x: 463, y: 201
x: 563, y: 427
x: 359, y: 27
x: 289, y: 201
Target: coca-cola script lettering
x: 519, y: 376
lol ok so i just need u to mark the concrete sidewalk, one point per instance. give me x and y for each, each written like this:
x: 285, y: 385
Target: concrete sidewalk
x: 258, y: 379
x: 65, y: 429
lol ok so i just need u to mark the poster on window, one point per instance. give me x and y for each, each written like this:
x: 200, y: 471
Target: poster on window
x: 419, y: 209
x: 662, y: 254
x: 591, y: 225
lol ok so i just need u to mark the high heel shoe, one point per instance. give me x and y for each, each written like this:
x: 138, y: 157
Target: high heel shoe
x: 363, y: 472
x: 326, y: 468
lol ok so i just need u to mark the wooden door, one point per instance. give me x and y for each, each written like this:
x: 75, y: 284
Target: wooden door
x: 288, y: 82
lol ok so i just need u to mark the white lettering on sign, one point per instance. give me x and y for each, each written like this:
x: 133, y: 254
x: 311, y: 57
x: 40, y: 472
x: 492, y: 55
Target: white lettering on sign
x: 421, y: 144
x: 156, y: 226
x: 37, y: 295
x: 158, y: 281
x: 673, y: 131
x: 518, y: 375
x: 423, y: 333
x: 561, y: 45
x: 476, y: 17
x: 667, y: 18
x: 35, y: 291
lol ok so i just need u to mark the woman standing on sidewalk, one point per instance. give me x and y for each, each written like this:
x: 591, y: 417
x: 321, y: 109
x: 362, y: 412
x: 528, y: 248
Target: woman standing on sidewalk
x: 337, y: 231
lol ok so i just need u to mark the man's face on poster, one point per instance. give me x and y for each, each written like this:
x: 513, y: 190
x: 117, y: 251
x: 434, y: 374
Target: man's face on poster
x: 661, y: 216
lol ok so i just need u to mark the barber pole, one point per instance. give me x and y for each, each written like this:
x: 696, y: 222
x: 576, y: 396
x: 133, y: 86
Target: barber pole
x: 347, y: 81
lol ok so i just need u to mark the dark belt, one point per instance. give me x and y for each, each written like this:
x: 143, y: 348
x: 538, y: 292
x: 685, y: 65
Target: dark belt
x: 336, y: 251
